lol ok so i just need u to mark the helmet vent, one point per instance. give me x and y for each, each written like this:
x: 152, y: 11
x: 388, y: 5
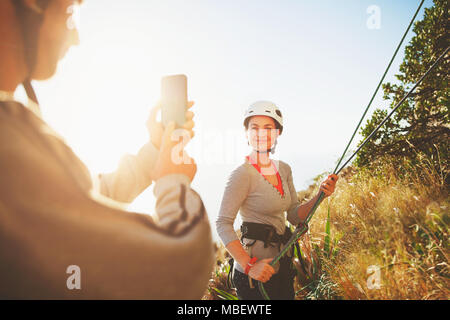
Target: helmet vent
x: 267, y: 111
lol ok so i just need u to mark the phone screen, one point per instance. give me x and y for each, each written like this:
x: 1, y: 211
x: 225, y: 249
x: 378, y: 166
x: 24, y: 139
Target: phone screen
x: 173, y: 99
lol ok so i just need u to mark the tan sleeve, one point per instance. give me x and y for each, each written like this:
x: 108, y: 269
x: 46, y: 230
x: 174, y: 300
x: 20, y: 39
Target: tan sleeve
x: 292, y: 212
x: 48, y: 223
x: 131, y: 177
x: 236, y: 191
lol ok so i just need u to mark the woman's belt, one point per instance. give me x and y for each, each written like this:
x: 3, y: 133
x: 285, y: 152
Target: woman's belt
x: 264, y: 232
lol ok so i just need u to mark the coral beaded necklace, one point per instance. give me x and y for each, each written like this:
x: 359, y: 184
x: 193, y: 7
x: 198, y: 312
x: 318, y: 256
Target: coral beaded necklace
x: 279, y: 186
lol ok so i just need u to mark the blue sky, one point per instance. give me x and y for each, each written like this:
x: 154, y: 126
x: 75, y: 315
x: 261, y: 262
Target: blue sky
x: 317, y: 60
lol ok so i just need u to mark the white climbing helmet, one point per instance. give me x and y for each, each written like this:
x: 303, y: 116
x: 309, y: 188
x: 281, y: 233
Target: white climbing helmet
x: 264, y: 108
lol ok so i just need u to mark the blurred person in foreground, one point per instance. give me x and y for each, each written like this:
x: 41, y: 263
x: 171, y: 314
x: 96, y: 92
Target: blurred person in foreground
x: 54, y: 216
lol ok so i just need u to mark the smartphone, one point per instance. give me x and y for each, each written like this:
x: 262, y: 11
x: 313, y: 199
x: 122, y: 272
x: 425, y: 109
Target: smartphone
x: 173, y: 99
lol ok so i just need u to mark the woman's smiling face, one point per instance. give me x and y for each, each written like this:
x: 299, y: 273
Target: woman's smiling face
x: 261, y: 132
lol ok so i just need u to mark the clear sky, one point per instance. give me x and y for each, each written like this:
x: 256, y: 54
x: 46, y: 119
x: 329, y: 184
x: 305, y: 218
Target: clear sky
x: 319, y: 61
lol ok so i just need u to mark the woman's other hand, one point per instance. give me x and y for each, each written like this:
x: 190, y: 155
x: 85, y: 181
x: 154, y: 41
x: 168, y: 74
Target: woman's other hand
x: 329, y: 184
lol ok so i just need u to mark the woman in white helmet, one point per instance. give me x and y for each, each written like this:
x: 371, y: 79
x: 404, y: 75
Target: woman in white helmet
x: 262, y: 190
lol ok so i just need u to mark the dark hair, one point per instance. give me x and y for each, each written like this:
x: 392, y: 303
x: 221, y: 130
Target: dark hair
x: 30, y: 23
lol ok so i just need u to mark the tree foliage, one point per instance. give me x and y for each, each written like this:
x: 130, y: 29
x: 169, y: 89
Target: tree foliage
x: 421, y: 125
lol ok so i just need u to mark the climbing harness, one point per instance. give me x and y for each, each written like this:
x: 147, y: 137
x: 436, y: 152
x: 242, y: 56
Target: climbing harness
x: 302, y: 228
x: 265, y: 233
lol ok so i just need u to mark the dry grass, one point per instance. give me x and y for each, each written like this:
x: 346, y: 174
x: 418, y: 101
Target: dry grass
x: 397, y: 221
x: 394, y: 217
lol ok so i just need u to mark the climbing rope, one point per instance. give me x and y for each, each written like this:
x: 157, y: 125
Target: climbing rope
x: 381, y: 81
x: 395, y: 108
x: 303, y: 227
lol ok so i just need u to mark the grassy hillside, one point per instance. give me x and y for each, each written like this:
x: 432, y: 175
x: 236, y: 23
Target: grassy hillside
x: 383, y: 234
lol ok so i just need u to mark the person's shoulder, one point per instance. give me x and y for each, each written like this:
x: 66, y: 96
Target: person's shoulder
x: 12, y: 122
x: 284, y: 167
x: 240, y: 170
x: 11, y: 109
x: 240, y: 173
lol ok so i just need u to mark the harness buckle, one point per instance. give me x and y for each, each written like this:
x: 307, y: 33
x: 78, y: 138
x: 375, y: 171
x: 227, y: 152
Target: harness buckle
x: 244, y: 229
x: 269, y: 237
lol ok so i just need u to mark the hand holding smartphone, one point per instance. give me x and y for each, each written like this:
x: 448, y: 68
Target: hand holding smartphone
x: 173, y: 99
x: 172, y: 157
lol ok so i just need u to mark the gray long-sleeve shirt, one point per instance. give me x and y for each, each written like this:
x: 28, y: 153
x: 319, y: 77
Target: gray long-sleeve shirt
x: 257, y: 200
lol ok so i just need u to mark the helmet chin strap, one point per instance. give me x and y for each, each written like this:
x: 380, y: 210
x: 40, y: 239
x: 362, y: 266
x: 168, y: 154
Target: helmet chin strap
x: 31, y: 94
x: 271, y: 150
